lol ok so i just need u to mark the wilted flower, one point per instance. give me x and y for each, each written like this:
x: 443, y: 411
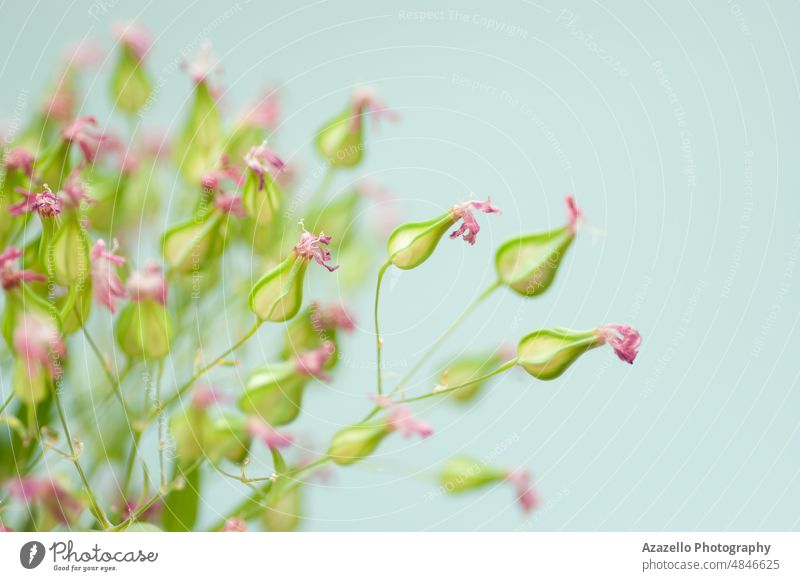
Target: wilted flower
x: 412, y: 244
x: 462, y: 474
x: 263, y: 161
x: 89, y: 141
x: 261, y: 194
x: 39, y: 345
x: 624, y: 339
x: 148, y: 284
x: 44, y: 203
x: 10, y: 276
x: 19, y: 159
x: 230, y: 204
x: 523, y: 486
x: 134, y: 36
x: 106, y: 284
x: 312, y: 363
x: 278, y: 295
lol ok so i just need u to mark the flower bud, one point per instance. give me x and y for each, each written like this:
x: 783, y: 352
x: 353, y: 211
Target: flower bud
x: 189, y: 247
x: 67, y: 255
x: 461, y: 474
x: 274, y: 393
x: 528, y: 264
x: 278, y: 295
x: 341, y: 141
x: 39, y: 348
x: 201, y: 142
x: 547, y: 353
x: 187, y: 426
x: 466, y: 369
x: 130, y: 84
x: 412, y: 244
x: 283, y: 513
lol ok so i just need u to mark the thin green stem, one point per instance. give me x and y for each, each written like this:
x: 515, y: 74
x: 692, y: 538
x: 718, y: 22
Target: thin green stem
x: 137, y: 435
x: 5, y: 404
x: 443, y: 337
x: 98, y: 512
x: 161, y: 442
x: 378, y: 339
x: 185, y: 387
x: 504, y: 367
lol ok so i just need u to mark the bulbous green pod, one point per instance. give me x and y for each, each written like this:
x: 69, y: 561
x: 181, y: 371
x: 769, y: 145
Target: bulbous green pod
x: 130, y: 84
x: 358, y: 441
x: 460, y: 474
x: 528, y: 264
x: 187, y: 429
x: 261, y: 198
x: 31, y: 386
x: 284, y: 511
x: 274, y: 393
x: 144, y: 329
x: 547, y: 353
x: 341, y: 142
x: 75, y: 306
x: 67, y: 254
x: 278, y: 295
x: 225, y: 437
x: 412, y: 244
x: 188, y: 247
x: 466, y: 369
x: 201, y: 141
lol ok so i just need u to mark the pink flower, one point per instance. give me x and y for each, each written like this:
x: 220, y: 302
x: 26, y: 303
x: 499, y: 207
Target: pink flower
x: 214, y: 179
x: 85, y: 54
x: 272, y: 438
x: 148, y: 284
x: 37, y: 341
x: 44, y: 203
x: 574, y: 214
x: 264, y: 114
x: 204, y: 397
x: 203, y: 65
x: 107, y: 287
x: 309, y: 247
x: 134, y: 36
x: 74, y: 190
x: 331, y: 317
x: 469, y: 228
x: 520, y: 479
x: 20, y: 159
x: 312, y: 363
x: 54, y: 498
x: 10, y: 276
x: 625, y: 340
x: 60, y: 105
x: 5, y: 529
x: 365, y: 100
x: 234, y: 525
x: 230, y: 204
x: 402, y: 420
x: 89, y: 141
x: 263, y: 161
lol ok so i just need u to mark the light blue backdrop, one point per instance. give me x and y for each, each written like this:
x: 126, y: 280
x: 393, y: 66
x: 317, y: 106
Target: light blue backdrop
x: 674, y: 124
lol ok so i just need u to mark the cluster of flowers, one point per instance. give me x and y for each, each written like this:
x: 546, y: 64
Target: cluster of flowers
x: 69, y: 190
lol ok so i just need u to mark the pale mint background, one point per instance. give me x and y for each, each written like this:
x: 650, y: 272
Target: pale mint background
x: 688, y: 167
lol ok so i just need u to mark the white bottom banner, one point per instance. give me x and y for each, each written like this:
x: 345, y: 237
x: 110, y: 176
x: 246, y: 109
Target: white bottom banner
x: 402, y: 556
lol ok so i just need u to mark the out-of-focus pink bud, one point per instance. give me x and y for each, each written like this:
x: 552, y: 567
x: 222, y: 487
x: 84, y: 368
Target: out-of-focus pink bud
x: 106, y: 284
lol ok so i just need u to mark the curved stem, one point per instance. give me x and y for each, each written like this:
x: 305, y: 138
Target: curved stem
x: 443, y: 337
x: 217, y: 360
x: 504, y: 367
x: 5, y: 404
x: 378, y: 340
x: 96, y: 509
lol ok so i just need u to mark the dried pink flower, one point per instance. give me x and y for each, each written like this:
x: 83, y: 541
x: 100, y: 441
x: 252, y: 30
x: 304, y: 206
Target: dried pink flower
x: 74, y: 190
x: 208, y: 396
x: 10, y: 276
x: 89, y: 141
x: 148, y: 284
x: 136, y: 37
x: 20, y: 159
x: 37, y: 341
x: 624, y: 339
x: 265, y: 113
x: 574, y: 214
x: 309, y: 247
x: 272, y: 438
x: 263, y: 161
x: 44, y: 203
x: 234, y: 525
x: 331, y: 317
x: 312, y: 363
x: 401, y: 419
x: 106, y: 284
x: 365, y: 100
x: 230, y: 204
x: 526, y: 494
x: 469, y: 228
x: 203, y: 65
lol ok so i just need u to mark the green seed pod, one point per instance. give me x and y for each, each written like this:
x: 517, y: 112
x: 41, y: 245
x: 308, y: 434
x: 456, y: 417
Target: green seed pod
x: 225, y: 437
x: 547, y: 353
x: 144, y: 329
x: 75, y: 306
x: 274, y: 393
x: 130, y: 84
x: 466, y: 369
x: 278, y: 295
x: 261, y: 195
x: 67, y: 254
x: 412, y: 244
x: 460, y: 474
x: 189, y: 247
x: 284, y: 510
x: 187, y: 428
x: 201, y: 142
x: 528, y: 264
x: 358, y: 441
